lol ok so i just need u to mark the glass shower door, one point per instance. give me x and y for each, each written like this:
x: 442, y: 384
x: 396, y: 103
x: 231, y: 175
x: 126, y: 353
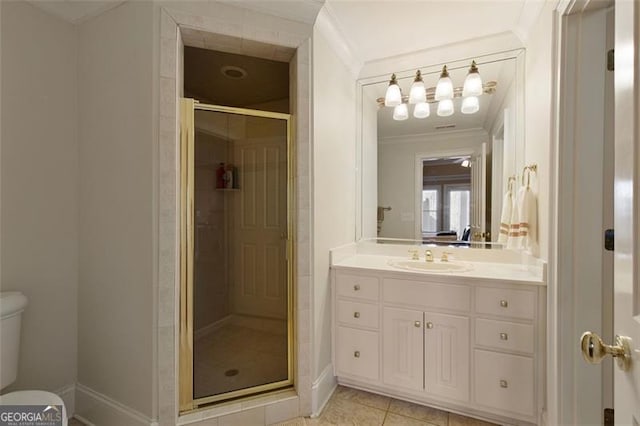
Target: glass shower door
x: 238, y: 278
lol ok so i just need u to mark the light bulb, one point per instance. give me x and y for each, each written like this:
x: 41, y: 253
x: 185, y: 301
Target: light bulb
x: 445, y: 108
x: 421, y: 110
x: 418, y: 93
x: 465, y: 163
x: 401, y: 112
x: 473, y: 82
x: 444, y: 88
x: 470, y: 105
x: 393, y: 97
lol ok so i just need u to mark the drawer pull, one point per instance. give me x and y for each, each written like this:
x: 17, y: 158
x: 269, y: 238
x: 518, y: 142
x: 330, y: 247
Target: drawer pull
x: 417, y: 324
x: 356, y: 287
x: 504, y: 384
x: 356, y: 354
x: 504, y: 336
x: 504, y: 303
x: 356, y: 314
x: 429, y: 325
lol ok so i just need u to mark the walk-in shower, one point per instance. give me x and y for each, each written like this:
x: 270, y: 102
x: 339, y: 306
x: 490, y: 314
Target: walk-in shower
x: 236, y: 253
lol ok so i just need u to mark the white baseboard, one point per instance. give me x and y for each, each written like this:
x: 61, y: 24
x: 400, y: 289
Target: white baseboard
x: 322, y: 389
x: 94, y: 408
x: 68, y: 395
x: 208, y: 329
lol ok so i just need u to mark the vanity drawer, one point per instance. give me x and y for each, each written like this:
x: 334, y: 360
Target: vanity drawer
x: 358, y: 314
x: 504, y: 335
x: 506, y: 302
x: 427, y: 295
x: 357, y: 286
x: 357, y: 353
x: 504, y: 382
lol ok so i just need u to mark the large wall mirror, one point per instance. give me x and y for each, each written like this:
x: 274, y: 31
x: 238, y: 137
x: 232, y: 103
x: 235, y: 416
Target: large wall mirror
x: 441, y: 179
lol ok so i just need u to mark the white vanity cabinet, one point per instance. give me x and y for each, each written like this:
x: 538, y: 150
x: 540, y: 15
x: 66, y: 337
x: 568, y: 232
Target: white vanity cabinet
x: 474, y: 346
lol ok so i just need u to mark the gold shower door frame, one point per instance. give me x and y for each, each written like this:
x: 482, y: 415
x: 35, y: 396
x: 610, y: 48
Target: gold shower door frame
x: 187, y: 238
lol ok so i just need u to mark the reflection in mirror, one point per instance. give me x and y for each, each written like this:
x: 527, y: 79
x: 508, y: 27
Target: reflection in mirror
x: 441, y: 179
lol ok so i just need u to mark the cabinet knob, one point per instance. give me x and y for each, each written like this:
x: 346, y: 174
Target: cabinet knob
x: 356, y: 287
x: 504, y: 336
x: 504, y: 303
x: 504, y: 384
x: 356, y: 314
x: 417, y: 324
x: 356, y: 354
x: 429, y: 325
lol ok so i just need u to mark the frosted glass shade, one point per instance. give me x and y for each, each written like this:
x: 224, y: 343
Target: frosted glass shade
x: 418, y: 93
x: 472, y: 85
x: 401, y: 112
x: 444, y: 89
x: 445, y: 108
x: 393, y: 97
x: 421, y: 110
x: 470, y: 105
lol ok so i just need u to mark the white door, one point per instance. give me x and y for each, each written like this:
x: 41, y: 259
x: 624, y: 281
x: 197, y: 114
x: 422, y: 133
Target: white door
x: 259, y: 218
x: 446, y: 355
x: 478, y: 199
x: 402, y: 354
x: 626, y: 302
x: 627, y: 211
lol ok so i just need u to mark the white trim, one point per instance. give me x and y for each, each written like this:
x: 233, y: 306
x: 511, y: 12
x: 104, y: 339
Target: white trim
x: 439, y: 136
x: 322, y: 390
x: 107, y: 411
x: 68, y: 395
x: 329, y: 26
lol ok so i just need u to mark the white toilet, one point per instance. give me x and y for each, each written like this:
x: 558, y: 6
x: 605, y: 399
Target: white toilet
x: 12, y: 303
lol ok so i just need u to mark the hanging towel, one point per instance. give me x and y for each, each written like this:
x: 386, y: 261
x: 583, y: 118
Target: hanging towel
x: 505, y: 218
x: 514, y: 241
x: 523, y: 231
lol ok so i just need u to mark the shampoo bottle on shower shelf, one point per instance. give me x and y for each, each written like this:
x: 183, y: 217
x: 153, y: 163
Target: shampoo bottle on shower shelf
x: 220, y: 176
x: 228, y: 176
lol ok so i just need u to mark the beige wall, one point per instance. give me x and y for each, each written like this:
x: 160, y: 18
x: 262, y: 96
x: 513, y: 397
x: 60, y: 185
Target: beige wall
x: 116, y: 70
x: 333, y: 179
x: 538, y: 79
x: 39, y: 230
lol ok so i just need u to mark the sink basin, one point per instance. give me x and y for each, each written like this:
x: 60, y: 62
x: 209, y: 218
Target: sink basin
x: 435, y: 266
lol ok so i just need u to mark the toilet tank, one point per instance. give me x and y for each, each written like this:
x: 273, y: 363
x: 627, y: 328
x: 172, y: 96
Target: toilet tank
x: 12, y: 303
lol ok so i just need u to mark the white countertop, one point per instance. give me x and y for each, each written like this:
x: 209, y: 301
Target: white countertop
x: 512, y: 272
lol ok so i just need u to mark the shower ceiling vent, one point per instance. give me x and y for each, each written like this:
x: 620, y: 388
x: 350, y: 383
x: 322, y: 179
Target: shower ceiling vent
x: 233, y: 72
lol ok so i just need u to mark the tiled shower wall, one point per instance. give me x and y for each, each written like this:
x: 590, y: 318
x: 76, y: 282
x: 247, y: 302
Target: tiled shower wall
x: 254, y: 30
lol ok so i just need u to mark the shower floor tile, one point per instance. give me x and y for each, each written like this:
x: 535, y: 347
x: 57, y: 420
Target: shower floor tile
x: 236, y: 356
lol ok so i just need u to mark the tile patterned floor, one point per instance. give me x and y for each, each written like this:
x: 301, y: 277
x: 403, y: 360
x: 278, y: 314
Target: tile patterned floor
x: 354, y: 407
x: 257, y: 356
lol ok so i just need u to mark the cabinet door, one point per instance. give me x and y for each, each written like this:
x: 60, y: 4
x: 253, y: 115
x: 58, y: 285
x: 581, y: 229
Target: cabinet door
x: 402, y: 342
x: 446, y: 350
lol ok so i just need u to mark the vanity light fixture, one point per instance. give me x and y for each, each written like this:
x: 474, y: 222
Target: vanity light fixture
x: 393, y: 97
x: 444, y: 88
x: 418, y: 93
x: 466, y: 163
x: 473, y: 82
x: 445, y: 108
x: 400, y: 112
x: 421, y: 110
x: 470, y: 105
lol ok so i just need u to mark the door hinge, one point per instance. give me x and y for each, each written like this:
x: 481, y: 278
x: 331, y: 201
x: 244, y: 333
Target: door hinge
x: 610, y: 60
x: 609, y: 239
x: 608, y: 417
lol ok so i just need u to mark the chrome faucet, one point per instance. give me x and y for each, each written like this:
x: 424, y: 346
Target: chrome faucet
x: 428, y: 256
x: 414, y: 254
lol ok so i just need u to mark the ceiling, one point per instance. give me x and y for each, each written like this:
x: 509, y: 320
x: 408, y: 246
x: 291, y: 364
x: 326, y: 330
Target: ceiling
x: 75, y: 11
x: 383, y: 28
